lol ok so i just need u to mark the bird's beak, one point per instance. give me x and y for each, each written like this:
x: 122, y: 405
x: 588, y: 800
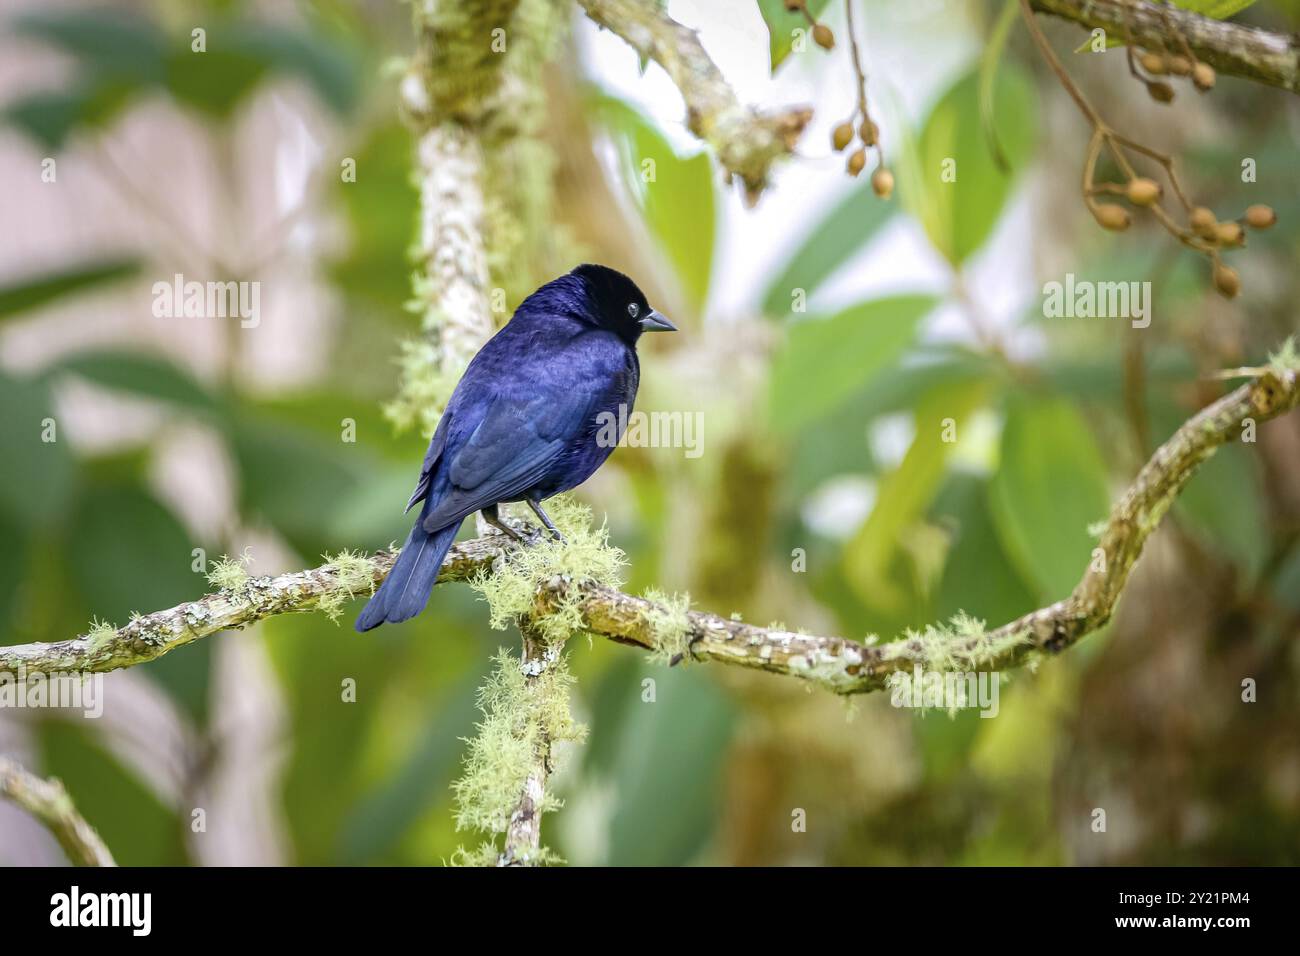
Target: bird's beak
x: 654, y: 322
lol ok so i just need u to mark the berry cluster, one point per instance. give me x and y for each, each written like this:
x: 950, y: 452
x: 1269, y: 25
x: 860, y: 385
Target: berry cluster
x: 859, y: 125
x: 1198, y: 227
x: 1163, y: 64
x: 1202, y: 231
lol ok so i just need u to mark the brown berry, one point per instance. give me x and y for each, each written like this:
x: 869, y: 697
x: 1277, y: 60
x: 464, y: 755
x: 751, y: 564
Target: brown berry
x: 1180, y: 65
x: 823, y: 37
x: 1112, y: 217
x: 857, y: 162
x: 882, y: 182
x: 1143, y: 191
x: 1203, y: 76
x: 1226, y: 280
x: 1260, y: 216
x: 1203, y: 223
x: 869, y: 132
x: 793, y: 6
x: 1154, y: 64
x: 842, y: 136
x: 1160, y: 91
x: 1230, y: 234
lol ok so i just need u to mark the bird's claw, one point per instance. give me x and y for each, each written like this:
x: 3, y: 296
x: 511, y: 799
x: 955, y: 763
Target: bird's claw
x: 688, y: 653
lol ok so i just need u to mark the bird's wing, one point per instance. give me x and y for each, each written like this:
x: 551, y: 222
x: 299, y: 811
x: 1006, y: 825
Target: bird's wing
x: 510, y: 450
x: 436, y: 446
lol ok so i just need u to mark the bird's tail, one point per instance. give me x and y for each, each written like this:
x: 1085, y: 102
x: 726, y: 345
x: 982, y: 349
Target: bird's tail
x: 406, y: 590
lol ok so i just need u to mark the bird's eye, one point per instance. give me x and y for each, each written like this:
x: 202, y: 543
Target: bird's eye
x: 633, y: 309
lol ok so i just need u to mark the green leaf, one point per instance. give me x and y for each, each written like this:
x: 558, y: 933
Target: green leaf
x: 905, y: 495
x: 988, y: 75
x: 380, y: 819
x: 836, y: 443
x: 14, y: 571
x: 1222, y: 505
x: 147, y: 376
x: 378, y: 207
x: 668, y: 770
x: 329, y: 68
x: 104, y: 41
x: 824, y: 361
x: 295, y: 480
x: 827, y: 246
x: 240, y: 54
x: 38, y: 290
x: 781, y: 24
x: 979, y: 577
x: 964, y: 211
x: 1215, y: 9
x: 675, y: 194
x: 129, y: 553
x: 49, y: 117
x: 38, y: 477
x: 135, y: 824
x: 1049, y: 488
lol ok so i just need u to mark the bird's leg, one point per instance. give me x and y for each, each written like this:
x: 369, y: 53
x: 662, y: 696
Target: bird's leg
x: 491, y: 517
x: 545, y: 519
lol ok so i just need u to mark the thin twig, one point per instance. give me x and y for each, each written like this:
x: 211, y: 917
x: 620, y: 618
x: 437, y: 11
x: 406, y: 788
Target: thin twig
x: 48, y: 802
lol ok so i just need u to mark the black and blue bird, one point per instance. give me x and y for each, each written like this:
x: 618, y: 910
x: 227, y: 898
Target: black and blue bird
x: 527, y: 421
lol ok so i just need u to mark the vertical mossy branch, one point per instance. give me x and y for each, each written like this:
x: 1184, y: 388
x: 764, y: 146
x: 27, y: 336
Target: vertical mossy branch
x: 526, y: 703
x: 524, y: 831
x: 503, y: 790
x: 48, y: 802
x: 446, y: 98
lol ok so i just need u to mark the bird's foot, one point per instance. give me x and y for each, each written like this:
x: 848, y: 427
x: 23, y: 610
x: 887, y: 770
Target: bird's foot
x: 545, y: 519
x: 689, y: 653
x: 524, y: 537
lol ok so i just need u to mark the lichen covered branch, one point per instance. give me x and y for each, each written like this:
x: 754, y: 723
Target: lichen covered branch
x: 465, y: 103
x: 48, y: 801
x: 838, y: 664
x: 1231, y: 48
x: 524, y: 831
x: 746, y: 140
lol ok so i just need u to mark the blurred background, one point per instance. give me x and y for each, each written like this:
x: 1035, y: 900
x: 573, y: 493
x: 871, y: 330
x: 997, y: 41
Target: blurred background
x: 813, y: 503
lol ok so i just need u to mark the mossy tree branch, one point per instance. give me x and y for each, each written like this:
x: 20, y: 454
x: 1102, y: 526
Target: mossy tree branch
x: 471, y: 95
x: 48, y: 802
x: 835, y: 663
x: 746, y: 141
x: 524, y: 832
x: 1231, y: 48
x: 446, y: 96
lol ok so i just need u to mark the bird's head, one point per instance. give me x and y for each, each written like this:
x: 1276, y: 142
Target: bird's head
x: 614, y: 302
